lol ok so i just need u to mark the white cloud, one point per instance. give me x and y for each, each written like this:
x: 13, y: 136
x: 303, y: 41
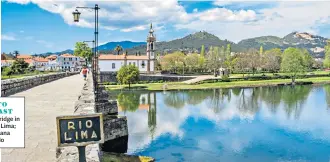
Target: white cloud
x: 141, y: 27
x: 280, y: 19
x: 222, y: 14
x: 21, y: 31
x: 7, y: 37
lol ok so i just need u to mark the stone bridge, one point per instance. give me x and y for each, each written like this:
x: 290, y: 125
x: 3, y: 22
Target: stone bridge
x: 48, y: 96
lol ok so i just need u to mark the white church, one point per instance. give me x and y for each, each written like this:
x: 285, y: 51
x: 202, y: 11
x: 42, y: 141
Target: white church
x: 145, y: 63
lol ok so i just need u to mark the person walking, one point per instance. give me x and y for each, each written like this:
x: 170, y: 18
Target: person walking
x: 84, y: 72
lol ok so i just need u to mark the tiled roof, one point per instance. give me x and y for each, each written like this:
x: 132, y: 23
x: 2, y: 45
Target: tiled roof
x: 67, y: 55
x: 29, y: 61
x: 122, y: 57
x: 24, y: 56
x: 5, y: 61
x: 51, y: 57
x: 40, y: 59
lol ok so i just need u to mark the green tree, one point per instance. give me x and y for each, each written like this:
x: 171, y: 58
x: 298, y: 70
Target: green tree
x: 173, y: 62
x: 191, y: 61
x: 261, y: 50
x: 202, y: 51
x: 308, y: 59
x: 228, y: 50
x: 16, y: 53
x: 118, y: 49
x: 7, y: 71
x: 213, y: 61
x: 82, y: 50
x: 129, y: 101
x: 128, y: 74
x: 293, y: 62
x: 326, y: 62
x: 19, y: 66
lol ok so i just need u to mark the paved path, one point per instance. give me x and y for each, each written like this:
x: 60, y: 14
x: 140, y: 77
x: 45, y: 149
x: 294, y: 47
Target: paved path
x: 201, y: 78
x: 42, y: 104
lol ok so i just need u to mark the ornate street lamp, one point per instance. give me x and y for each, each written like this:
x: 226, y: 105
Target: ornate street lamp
x: 76, y: 15
x: 95, y: 68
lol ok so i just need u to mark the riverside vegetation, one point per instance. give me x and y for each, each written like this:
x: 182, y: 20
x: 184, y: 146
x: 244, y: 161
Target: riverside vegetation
x: 252, y: 68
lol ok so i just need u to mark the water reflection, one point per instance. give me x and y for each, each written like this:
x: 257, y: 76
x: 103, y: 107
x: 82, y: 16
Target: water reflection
x: 265, y: 123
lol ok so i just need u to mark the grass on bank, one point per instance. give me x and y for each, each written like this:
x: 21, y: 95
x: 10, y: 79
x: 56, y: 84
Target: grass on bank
x: 3, y: 77
x: 180, y: 85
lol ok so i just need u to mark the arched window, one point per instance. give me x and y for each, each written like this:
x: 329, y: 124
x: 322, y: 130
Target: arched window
x: 142, y: 64
x: 113, y: 65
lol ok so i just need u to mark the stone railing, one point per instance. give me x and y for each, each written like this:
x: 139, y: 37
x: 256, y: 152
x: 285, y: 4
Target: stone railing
x: 12, y: 86
x: 115, y: 127
x: 111, y: 77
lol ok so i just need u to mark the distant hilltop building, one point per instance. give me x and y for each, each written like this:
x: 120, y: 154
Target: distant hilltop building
x: 145, y: 63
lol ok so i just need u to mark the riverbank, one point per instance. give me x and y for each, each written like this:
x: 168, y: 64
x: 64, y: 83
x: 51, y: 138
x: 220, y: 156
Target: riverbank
x: 234, y: 84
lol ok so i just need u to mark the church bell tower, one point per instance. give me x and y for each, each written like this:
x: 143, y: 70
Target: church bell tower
x: 151, y: 39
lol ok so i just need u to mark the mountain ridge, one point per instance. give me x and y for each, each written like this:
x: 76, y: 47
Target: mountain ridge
x: 193, y: 43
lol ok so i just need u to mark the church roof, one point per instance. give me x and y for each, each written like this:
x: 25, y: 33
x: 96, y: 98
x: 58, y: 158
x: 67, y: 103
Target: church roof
x: 121, y: 57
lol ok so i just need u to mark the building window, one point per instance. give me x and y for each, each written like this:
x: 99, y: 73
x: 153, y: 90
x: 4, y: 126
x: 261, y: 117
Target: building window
x: 142, y: 64
x: 129, y: 63
x: 113, y: 65
x: 64, y: 63
x: 134, y: 63
x: 76, y: 59
x: 64, y: 59
x: 70, y: 59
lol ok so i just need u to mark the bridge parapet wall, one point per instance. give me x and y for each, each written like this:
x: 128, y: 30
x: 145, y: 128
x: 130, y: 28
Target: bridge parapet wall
x: 12, y: 86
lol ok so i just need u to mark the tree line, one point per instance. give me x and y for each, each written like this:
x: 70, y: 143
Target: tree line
x: 291, y: 60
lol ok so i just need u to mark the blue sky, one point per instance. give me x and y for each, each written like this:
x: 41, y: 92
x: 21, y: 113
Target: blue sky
x: 32, y: 26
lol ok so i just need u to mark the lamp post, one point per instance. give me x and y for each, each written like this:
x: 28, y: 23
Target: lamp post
x: 76, y: 16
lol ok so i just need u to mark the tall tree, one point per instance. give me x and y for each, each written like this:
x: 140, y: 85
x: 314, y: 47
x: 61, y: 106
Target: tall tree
x: 272, y: 60
x: 326, y: 62
x: 253, y: 58
x: 293, y: 62
x: 82, y: 50
x: 203, y: 51
x: 119, y: 49
x: 16, y: 53
x: 261, y: 50
x: 308, y: 59
x: 228, y: 50
x: 191, y: 61
x: 213, y: 59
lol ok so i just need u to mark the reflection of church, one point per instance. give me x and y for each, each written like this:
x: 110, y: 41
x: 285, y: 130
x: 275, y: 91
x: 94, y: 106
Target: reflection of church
x: 147, y: 102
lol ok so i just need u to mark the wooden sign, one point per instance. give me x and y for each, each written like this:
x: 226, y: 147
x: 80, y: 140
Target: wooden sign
x: 79, y: 130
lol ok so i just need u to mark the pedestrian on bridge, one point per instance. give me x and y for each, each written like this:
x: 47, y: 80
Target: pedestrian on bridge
x: 84, y: 72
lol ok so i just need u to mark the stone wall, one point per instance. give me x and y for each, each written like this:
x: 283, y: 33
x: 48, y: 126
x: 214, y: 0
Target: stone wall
x: 115, y: 127
x: 84, y: 105
x: 12, y: 86
x: 111, y: 77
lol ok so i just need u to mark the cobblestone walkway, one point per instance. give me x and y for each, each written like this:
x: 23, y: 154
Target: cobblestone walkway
x: 42, y: 104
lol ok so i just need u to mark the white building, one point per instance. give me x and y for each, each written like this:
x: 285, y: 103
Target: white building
x: 146, y: 63
x: 6, y: 63
x: 68, y: 62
